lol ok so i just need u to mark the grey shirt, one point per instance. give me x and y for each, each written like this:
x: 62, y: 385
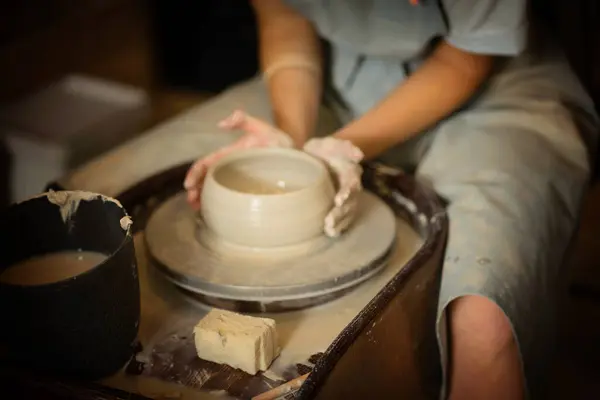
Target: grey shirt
x: 375, y: 43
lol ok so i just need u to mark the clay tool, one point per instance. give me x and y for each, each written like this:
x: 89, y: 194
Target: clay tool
x: 283, y: 389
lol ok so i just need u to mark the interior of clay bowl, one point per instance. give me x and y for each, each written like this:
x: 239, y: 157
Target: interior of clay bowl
x: 270, y: 172
x: 267, y: 197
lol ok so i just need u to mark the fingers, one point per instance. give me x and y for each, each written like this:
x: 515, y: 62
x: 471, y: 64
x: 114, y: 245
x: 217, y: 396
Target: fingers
x: 242, y: 121
x: 198, y: 170
x: 193, y: 199
x: 348, y: 176
x: 348, y: 179
x: 215, y: 156
x: 235, y: 120
x: 341, y: 217
x: 255, y: 125
x: 349, y: 185
x: 195, y: 175
x: 335, y: 227
x: 258, y: 133
x: 193, y: 183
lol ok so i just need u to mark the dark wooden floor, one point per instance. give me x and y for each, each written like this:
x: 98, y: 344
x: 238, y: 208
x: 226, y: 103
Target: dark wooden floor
x: 122, y: 52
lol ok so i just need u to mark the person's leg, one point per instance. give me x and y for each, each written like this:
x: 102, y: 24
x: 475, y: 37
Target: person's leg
x: 513, y: 206
x: 513, y: 171
x: 486, y: 363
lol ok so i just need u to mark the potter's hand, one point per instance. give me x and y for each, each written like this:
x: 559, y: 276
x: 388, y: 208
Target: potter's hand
x: 257, y: 133
x: 343, y: 159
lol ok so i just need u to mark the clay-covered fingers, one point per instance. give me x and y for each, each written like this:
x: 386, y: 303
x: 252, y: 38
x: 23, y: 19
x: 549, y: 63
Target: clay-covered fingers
x: 235, y: 120
x: 195, y: 176
x: 193, y: 198
x: 242, y: 121
x: 196, y: 173
x: 339, y: 219
x: 348, y: 175
x: 343, y: 159
x: 258, y: 133
x: 193, y: 183
x: 245, y: 122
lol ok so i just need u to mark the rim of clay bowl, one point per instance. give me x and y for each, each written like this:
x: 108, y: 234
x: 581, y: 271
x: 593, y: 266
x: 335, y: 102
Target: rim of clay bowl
x: 97, y: 196
x: 253, y: 152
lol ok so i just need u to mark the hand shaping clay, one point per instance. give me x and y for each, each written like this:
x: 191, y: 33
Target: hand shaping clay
x: 240, y: 341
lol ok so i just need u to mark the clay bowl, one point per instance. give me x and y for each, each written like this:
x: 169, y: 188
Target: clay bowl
x: 266, y: 198
x: 55, y: 319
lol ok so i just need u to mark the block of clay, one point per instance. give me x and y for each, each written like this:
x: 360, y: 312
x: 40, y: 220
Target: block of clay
x: 240, y: 341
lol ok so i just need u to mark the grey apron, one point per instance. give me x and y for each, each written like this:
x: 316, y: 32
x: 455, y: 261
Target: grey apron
x: 512, y: 164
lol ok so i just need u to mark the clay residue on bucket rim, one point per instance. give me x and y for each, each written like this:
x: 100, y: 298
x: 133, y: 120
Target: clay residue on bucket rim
x: 68, y: 201
x: 126, y: 222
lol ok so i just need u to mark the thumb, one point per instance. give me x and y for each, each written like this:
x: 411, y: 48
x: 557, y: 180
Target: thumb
x: 194, y: 175
x: 242, y: 121
x: 235, y: 120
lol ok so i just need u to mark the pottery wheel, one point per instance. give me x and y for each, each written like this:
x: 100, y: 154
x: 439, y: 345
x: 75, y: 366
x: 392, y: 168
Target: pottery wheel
x: 194, y: 259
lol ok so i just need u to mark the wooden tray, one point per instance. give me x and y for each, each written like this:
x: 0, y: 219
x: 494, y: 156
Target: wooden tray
x: 397, y: 357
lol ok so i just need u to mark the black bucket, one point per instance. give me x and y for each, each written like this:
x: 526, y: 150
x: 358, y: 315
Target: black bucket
x: 83, y: 326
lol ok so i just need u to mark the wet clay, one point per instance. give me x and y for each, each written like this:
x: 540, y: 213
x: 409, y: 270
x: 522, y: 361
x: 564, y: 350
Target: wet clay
x: 51, y: 268
x: 254, y: 186
x: 267, y: 175
x: 303, y: 270
x: 68, y: 202
x: 242, y: 181
x: 126, y: 222
x: 241, y: 341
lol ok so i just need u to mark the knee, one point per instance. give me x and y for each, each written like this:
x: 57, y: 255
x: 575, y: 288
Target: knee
x: 484, y: 354
x: 482, y: 321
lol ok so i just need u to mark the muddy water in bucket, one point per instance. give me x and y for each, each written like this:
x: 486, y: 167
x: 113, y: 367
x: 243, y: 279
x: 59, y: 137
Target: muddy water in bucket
x: 51, y: 268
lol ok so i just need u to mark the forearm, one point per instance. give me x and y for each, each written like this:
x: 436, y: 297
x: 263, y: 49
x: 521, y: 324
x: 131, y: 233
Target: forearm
x: 440, y: 86
x: 295, y: 92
